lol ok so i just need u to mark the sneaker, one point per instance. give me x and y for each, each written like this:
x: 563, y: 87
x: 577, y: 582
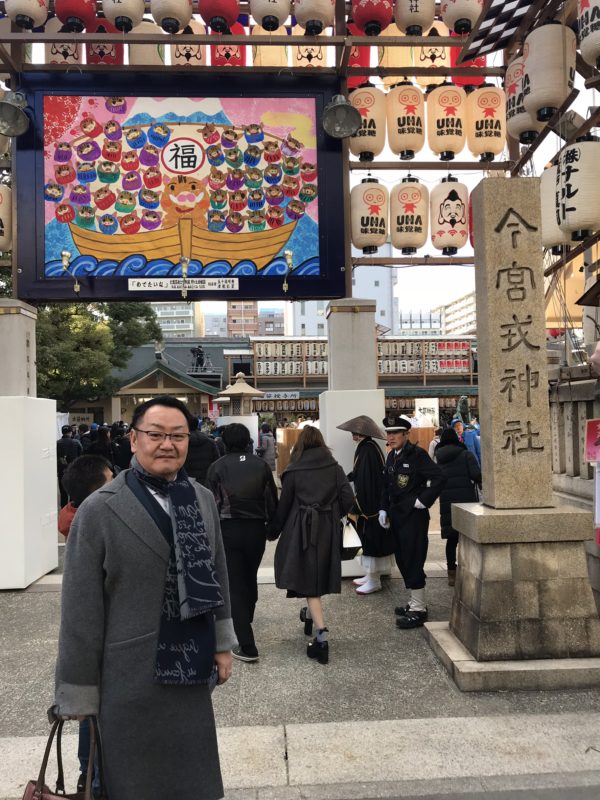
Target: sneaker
x: 412, y: 619
x: 247, y: 654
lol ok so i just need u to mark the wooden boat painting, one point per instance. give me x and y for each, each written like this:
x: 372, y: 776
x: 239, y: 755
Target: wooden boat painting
x: 161, y: 191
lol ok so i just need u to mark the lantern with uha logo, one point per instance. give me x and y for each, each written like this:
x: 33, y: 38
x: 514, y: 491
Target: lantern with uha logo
x: 359, y: 57
x: 552, y: 236
x: 103, y: 52
x: 314, y: 15
x: 578, y: 188
x: 219, y: 15
x: 191, y: 55
x: 405, y: 111
x: 372, y: 16
x: 171, y: 15
x: 409, y: 215
x: 432, y: 55
x: 5, y: 217
x: 446, y: 120
x: 369, y: 139
x: 225, y: 54
x: 142, y: 54
x: 27, y: 13
x: 369, y: 214
x: 588, y: 19
x: 461, y: 15
x: 519, y: 122
x: 414, y: 18
x: 124, y: 14
x: 76, y: 15
x: 549, y: 60
x: 449, y: 216
x: 270, y: 14
x: 486, y: 122
x: 60, y: 52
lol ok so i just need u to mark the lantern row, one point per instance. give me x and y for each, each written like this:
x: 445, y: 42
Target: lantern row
x: 407, y: 213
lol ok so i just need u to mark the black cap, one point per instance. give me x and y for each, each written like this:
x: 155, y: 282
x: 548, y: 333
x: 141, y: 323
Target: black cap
x: 396, y: 422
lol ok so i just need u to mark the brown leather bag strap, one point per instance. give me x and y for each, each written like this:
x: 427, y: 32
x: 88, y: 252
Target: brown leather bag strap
x: 39, y: 786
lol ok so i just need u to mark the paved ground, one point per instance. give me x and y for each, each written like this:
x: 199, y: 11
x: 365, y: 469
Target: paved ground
x: 382, y: 719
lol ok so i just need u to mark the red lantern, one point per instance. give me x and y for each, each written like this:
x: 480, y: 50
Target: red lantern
x: 228, y: 55
x: 102, y: 52
x: 220, y: 15
x: 76, y: 14
x: 372, y: 16
x: 471, y: 80
x: 359, y: 57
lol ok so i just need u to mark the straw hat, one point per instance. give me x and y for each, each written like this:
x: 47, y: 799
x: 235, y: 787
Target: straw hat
x: 364, y: 426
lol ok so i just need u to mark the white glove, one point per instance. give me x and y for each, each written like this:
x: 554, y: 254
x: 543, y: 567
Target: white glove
x: 383, y: 519
x: 419, y: 505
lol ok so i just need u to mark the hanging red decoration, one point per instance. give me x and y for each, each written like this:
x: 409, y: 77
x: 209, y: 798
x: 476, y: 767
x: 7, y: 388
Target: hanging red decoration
x: 225, y: 54
x: 101, y: 52
x: 76, y: 15
x: 220, y: 15
x: 359, y: 57
x: 372, y: 16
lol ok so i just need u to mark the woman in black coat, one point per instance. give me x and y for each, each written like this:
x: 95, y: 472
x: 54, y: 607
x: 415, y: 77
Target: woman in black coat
x: 463, y: 475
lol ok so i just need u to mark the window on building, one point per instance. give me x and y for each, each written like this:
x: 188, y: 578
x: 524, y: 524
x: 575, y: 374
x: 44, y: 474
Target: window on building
x: 320, y: 328
x: 303, y: 309
x: 375, y: 283
x: 303, y: 329
x: 382, y: 312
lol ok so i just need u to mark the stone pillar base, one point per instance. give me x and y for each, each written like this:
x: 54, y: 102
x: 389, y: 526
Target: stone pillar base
x: 522, y: 588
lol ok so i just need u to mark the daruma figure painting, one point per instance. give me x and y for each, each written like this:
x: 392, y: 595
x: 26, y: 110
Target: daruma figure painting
x: 186, y: 177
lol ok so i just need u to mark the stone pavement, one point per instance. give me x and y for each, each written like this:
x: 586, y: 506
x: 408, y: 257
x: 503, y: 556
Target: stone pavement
x: 381, y: 720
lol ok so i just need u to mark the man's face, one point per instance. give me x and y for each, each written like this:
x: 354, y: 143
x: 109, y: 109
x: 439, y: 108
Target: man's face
x: 458, y: 428
x: 397, y: 439
x: 356, y: 437
x: 161, y: 459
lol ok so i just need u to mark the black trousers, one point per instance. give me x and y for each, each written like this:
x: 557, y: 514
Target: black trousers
x: 244, y: 541
x: 451, y: 546
x: 410, y: 535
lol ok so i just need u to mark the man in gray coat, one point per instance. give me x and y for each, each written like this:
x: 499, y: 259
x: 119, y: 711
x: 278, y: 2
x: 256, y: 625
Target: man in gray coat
x: 146, y: 628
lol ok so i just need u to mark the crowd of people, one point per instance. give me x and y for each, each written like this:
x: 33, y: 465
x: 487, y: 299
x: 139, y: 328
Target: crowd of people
x: 165, y: 538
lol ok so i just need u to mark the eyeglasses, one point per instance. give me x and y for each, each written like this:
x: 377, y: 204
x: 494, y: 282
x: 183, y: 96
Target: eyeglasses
x: 158, y: 436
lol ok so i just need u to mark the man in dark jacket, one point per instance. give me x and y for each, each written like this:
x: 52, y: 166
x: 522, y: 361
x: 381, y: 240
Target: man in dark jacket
x: 202, y: 451
x: 412, y: 483
x: 67, y: 450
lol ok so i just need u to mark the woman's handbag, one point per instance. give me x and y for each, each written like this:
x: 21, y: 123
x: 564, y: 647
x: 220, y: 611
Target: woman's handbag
x: 351, y: 543
x: 37, y: 790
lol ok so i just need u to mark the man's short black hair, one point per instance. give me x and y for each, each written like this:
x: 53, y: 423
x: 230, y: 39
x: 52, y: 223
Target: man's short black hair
x: 83, y: 428
x: 66, y: 429
x: 164, y: 400
x: 265, y: 427
x: 236, y: 437
x: 83, y: 476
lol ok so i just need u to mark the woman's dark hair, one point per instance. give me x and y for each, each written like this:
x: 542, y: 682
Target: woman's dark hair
x: 236, y: 437
x: 103, y: 439
x: 265, y: 427
x: 164, y: 400
x: 309, y: 438
x: 83, y: 476
x: 449, y: 436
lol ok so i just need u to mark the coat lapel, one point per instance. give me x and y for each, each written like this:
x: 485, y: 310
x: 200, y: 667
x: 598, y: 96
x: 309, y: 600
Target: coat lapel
x: 133, y: 514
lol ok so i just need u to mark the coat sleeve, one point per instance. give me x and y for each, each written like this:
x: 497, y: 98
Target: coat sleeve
x: 270, y: 495
x: 286, y: 501
x: 81, y: 639
x: 345, y: 493
x: 432, y: 473
x: 473, y: 468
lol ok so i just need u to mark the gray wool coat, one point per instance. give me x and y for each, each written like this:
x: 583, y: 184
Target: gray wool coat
x: 159, y: 741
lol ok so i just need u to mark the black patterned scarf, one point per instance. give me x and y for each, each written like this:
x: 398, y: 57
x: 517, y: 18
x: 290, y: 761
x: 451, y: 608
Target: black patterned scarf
x: 186, y: 643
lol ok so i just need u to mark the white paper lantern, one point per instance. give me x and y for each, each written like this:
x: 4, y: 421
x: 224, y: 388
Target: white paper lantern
x: 520, y: 124
x: 414, y: 18
x: 171, y: 15
x: 5, y: 217
x: 552, y: 236
x: 311, y: 55
x: 432, y: 55
x: 314, y: 15
x: 449, y: 216
x: 461, y: 15
x: 369, y: 139
x: 269, y: 55
x: 270, y: 14
x: 405, y: 111
x: 486, y: 122
x: 191, y: 55
x: 578, y: 188
x: 60, y: 52
x: 145, y: 54
x: 446, y: 120
x: 124, y: 14
x: 27, y: 13
x: 588, y: 24
x: 390, y: 57
x: 550, y: 52
x: 369, y: 203
x: 409, y: 215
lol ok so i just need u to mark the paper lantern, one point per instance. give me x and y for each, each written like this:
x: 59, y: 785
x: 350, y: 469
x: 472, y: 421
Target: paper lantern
x: 446, y: 120
x: 171, y: 15
x: 392, y: 57
x: 60, y: 52
x: 519, y: 122
x: 405, y: 113
x: 314, y: 15
x: 27, y: 13
x: 359, y: 57
x: 5, y: 217
x: 552, y: 236
x: 226, y: 54
x: 124, y: 14
x: 369, y: 212
x: 578, y: 188
x: 588, y: 19
x: 272, y: 55
x: 414, y: 18
x: 549, y: 59
x: 100, y: 52
x: 270, y: 14
x: 461, y: 15
x: 432, y: 55
x: 486, y: 122
x: 193, y: 55
x: 372, y: 16
x: 369, y: 139
x: 76, y: 14
x: 220, y: 15
x: 449, y: 216
x: 308, y: 55
x: 409, y: 215
x: 147, y: 54
x: 466, y: 80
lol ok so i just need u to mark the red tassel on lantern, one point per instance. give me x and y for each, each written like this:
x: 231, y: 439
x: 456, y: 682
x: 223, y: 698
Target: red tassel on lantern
x: 101, y: 52
x: 359, y: 57
x: 228, y: 55
x: 220, y: 15
x: 372, y: 16
x: 76, y: 14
